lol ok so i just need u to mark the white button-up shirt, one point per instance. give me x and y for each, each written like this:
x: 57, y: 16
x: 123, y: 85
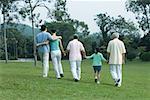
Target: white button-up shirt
x: 75, y: 47
x: 116, y: 48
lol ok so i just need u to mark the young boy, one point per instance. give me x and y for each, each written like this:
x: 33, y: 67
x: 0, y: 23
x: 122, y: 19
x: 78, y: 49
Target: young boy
x: 97, y: 64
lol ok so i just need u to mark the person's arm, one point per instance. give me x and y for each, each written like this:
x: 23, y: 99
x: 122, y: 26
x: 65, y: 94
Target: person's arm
x: 123, y: 58
x: 68, y: 48
x: 89, y: 57
x: 123, y: 53
x: 103, y: 58
x: 61, y: 47
x: 82, y: 49
x: 83, y: 53
x: 50, y: 37
x: 108, y: 55
x: 56, y: 37
x: 108, y: 51
x: 43, y: 43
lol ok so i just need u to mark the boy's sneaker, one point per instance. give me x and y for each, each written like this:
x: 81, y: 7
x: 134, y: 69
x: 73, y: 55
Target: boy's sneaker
x: 98, y: 82
x: 95, y: 80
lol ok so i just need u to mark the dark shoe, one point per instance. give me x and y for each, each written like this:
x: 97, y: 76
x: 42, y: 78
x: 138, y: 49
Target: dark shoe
x: 61, y: 75
x: 117, y: 82
x: 58, y: 78
x: 95, y: 80
x: 76, y: 80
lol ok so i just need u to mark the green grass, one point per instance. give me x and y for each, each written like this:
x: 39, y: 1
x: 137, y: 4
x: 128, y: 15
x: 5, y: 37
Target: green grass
x: 22, y: 81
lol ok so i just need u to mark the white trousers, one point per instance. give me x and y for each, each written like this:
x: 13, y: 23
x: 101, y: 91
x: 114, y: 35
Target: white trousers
x: 116, y: 72
x: 56, y: 60
x: 76, y: 69
x: 45, y: 63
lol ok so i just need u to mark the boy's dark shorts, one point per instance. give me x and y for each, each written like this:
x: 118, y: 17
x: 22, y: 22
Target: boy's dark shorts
x: 97, y: 68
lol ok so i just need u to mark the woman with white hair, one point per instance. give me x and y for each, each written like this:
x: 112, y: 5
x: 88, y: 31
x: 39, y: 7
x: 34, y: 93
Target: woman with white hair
x: 116, y: 51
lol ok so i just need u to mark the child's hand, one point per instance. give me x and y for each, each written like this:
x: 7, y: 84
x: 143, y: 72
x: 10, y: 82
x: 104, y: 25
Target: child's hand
x: 64, y: 53
x: 107, y: 61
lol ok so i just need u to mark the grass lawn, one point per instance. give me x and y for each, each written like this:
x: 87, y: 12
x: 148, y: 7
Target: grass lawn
x: 22, y: 81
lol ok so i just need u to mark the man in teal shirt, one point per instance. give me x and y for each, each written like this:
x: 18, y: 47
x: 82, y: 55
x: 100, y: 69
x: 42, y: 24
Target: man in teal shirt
x: 97, y: 63
x: 44, y: 49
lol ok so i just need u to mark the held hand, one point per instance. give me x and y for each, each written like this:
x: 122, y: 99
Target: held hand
x: 107, y: 62
x: 64, y: 53
x: 123, y: 61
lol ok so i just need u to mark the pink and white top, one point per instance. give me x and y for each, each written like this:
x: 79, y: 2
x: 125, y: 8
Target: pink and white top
x: 75, y: 47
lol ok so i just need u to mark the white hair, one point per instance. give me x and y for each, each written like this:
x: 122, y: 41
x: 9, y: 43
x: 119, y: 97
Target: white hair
x: 115, y: 35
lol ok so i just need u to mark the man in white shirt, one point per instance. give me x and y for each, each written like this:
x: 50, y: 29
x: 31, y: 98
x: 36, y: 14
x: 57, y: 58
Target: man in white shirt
x: 116, y: 51
x: 75, y: 49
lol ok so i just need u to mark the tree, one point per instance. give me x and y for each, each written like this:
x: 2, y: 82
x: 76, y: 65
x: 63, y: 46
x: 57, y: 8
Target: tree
x: 7, y: 7
x: 141, y: 9
x: 2, y: 51
x: 60, y: 11
x: 124, y: 27
x: 66, y: 30
x: 28, y: 11
x: 81, y: 27
x: 108, y: 25
x: 60, y: 14
x: 145, y: 42
x: 104, y: 23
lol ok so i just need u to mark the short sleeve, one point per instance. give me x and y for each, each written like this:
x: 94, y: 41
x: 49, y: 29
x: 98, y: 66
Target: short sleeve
x: 123, y: 48
x: 81, y: 47
x: 89, y: 57
x: 49, y: 36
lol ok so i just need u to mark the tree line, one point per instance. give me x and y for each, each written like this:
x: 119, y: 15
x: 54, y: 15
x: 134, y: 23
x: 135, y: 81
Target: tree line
x: 13, y: 44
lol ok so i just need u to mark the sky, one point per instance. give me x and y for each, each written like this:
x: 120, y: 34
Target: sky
x: 86, y: 10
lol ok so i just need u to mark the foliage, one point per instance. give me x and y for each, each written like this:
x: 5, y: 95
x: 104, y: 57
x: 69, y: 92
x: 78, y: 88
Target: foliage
x: 141, y: 8
x: 145, y: 56
x: 108, y: 24
x: 60, y: 13
x: 9, y: 8
x: 18, y: 45
x: 66, y: 30
x: 81, y: 27
x: 2, y: 52
x: 131, y: 53
x: 124, y: 27
x: 104, y: 23
x: 145, y: 42
x: 91, y: 42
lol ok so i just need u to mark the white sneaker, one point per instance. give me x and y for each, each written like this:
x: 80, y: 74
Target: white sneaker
x: 119, y: 85
x: 44, y: 76
x: 98, y: 82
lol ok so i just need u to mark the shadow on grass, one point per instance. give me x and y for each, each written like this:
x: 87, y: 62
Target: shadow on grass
x: 107, y: 84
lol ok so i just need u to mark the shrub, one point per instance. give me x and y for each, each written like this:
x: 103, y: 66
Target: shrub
x: 145, y: 56
x: 131, y: 53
